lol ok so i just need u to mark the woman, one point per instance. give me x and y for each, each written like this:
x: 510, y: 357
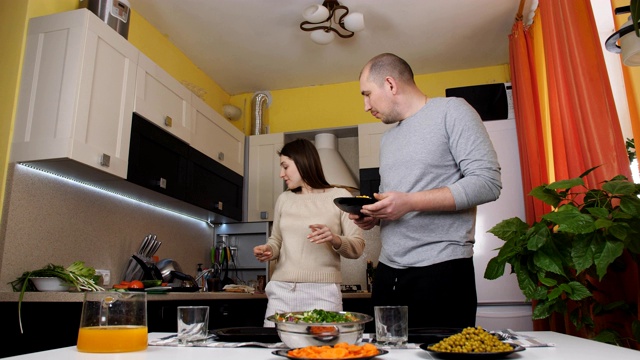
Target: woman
x: 309, y: 236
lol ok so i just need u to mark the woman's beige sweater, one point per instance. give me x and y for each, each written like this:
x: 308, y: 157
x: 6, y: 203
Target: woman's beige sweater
x: 300, y: 260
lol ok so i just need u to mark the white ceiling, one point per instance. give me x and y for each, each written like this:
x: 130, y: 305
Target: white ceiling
x: 252, y: 45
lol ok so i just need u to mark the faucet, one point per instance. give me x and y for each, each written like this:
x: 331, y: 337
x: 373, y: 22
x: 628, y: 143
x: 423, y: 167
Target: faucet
x: 202, y: 275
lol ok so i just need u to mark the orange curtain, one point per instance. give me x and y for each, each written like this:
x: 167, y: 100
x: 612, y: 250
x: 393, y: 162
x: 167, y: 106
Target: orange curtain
x: 583, y: 130
x: 528, y: 120
x: 583, y: 117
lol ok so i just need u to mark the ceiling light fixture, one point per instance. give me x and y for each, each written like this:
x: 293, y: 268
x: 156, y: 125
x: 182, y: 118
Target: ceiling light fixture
x: 629, y: 47
x: 321, y: 19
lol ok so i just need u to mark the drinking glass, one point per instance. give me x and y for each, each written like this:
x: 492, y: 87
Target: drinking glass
x: 193, y: 323
x: 392, y: 325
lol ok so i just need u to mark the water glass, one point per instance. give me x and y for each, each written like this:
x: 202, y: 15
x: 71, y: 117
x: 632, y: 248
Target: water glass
x: 392, y: 325
x: 193, y: 323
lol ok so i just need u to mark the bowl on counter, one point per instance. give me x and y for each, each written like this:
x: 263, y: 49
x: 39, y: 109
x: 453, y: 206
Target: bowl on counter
x: 296, y: 333
x: 49, y: 284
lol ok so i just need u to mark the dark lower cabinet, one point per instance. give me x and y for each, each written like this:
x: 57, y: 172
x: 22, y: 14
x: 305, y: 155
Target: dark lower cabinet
x: 52, y: 325
x: 45, y: 326
x: 163, y: 315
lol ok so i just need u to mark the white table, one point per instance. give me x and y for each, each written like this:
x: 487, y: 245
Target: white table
x: 567, y: 348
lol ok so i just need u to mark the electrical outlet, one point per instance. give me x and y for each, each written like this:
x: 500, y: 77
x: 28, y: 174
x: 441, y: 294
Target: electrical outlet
x: 106, y: 276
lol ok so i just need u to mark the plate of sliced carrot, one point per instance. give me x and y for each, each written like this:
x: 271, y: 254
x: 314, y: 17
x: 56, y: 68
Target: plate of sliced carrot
x: 337, y: 351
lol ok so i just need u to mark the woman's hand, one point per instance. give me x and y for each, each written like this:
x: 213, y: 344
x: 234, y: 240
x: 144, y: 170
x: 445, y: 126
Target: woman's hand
x: 262, y: 253
x: 320, y: 233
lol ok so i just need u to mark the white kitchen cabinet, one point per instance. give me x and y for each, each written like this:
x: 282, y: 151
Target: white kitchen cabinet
x: 369, y: 136
x: 162, y: 100
x: 262, y: 176
x: 76, y: 95
x: 215, y: 137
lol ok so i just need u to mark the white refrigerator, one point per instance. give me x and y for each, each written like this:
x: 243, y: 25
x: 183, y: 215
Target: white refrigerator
x: 501, y: 304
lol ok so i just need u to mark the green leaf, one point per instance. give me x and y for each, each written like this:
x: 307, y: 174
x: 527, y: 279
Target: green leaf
x: 635, y: 329
x: 566, y: 184
x: 619, y: 231
x: 548, y: 281
x: 549, y: 259
x: 509, y: 229
x: 577, y: 291
x: 525, y: 281
x: 607, y: 336
x: 538, y: 236
x: 582, y: 254
x: 571, y: 220
x: 630, y: 205
x: 619, y: 187
x: 495, y: 269
x: 548, y: 196
x: 611, y: 251
x: 555, y: 293
x: 542, y: 310
x: 598, y: 212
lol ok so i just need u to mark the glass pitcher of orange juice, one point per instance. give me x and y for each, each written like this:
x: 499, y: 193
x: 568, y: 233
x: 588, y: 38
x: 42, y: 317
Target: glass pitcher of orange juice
x: 113, y: 322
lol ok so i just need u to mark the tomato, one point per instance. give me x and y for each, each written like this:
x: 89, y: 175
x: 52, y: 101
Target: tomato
x: 136, y: 284
x: 125, y: 283
x: 120, y: 286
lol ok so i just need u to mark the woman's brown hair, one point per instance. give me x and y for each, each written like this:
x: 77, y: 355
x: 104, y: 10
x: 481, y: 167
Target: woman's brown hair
x: 305, y: 155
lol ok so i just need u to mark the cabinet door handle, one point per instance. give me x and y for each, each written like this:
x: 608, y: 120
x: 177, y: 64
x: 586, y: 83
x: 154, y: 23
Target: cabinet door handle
x: 168, y: 121
x: 105, y: 160
x: 264, y: 215
x: 162, y: 183
x: 218, y: 205
x: 221, y: 156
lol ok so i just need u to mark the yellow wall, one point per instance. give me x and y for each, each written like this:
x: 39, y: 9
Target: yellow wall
x: 342, y: 105
x: 13, y: 27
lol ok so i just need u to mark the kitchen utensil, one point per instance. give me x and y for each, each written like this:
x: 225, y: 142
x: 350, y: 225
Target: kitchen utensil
x: 147, y: 249
x: 187, y: 280
x: 352, y: 205
x: 300, y: 334
x: 240, y: 334
x: 150, y: 271
x: 226, y: 280
x: 166, y: 266
x: 113, y: 322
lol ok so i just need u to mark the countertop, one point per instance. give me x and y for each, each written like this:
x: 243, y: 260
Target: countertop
x: 567, y: 347
x: 54, y: 296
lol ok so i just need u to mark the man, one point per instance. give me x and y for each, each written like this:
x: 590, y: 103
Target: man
x: 436, y: 165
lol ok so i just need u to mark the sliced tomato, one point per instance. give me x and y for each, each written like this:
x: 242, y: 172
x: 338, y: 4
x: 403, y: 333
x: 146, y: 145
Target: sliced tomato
x: 120, y: 286
x: 125, y: 282
x: 136, y: 284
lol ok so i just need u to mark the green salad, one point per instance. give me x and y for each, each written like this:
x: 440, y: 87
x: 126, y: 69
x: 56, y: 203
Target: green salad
x: 316, y: 316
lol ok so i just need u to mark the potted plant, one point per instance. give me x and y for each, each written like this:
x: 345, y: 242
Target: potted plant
x: 562, y: 261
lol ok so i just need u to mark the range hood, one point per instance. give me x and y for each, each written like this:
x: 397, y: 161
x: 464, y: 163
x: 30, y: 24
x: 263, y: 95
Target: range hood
x: 335, y: 169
